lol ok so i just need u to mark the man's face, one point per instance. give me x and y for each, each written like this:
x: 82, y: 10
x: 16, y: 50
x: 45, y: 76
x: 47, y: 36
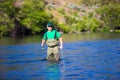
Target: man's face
x: 49, y: 28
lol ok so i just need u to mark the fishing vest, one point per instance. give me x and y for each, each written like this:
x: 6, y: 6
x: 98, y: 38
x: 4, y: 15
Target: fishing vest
x: 52, y: 42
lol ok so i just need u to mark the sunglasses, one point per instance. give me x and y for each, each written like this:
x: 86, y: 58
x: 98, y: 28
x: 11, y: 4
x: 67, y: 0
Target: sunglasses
x: 49, y: 26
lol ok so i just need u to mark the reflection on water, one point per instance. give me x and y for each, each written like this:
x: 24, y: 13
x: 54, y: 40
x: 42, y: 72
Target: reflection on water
x: 66, y: 38
x: 89, y: 36
x: 20, y: 40
x: 52, y: 71
x: 84, y: 57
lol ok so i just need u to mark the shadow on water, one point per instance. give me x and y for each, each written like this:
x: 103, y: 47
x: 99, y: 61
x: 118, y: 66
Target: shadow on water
x: 84, y: 57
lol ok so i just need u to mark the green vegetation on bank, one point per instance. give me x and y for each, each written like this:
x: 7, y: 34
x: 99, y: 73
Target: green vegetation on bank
x: 110, y: 14
x: 25, y: 17
x: 22, y: 17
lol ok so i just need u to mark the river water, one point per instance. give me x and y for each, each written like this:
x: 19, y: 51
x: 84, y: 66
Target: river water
x: 93, y: 56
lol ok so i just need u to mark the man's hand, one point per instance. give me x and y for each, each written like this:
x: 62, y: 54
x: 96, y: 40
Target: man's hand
x: 42, y: 46
x: 61, y: 43
x: 61, y: 47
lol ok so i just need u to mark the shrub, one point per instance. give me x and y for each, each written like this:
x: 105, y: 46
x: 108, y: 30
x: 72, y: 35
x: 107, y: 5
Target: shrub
x: 105, y: 29
x: 64, y: 27
x: 88, y: 24
x: 110, y: 14
x: 62, y: 11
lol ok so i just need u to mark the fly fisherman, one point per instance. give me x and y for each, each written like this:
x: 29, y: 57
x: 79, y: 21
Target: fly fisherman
x: 53, y: 40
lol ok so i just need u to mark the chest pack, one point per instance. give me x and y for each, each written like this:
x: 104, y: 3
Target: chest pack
x: 52, y: 42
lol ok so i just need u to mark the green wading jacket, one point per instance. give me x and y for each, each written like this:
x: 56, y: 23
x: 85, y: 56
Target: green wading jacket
x: 51, y: 38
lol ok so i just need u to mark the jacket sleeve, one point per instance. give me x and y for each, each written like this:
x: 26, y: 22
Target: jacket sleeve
x: 45, y: 36
x: 58, y: 35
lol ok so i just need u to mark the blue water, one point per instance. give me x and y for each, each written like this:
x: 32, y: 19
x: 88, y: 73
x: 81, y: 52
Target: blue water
x: 81, y: 60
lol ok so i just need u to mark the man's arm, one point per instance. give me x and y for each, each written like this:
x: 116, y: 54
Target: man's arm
x: 61, y: 42
x: 43, y: 42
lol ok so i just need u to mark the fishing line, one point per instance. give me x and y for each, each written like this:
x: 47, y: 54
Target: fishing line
x: 62, y: 57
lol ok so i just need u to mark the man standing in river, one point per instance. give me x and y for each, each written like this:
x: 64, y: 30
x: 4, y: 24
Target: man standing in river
x: 53, y: 40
